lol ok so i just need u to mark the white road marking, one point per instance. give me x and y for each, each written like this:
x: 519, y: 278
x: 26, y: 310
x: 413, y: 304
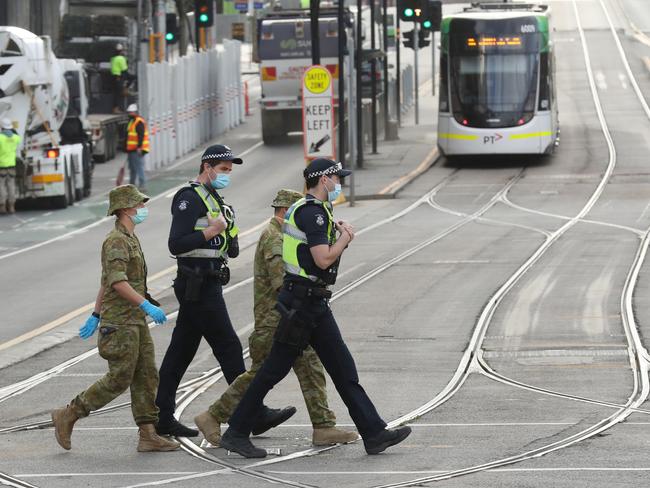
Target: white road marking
x: 100, y: 221
x: 623, y: 78
x: 600, y: 80
x: 134, y: 473
x: 463, y: 261
x: 438, y: 471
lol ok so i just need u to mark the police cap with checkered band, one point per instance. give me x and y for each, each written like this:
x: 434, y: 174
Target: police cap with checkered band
x: 219, y: 152
x: 325, y: 167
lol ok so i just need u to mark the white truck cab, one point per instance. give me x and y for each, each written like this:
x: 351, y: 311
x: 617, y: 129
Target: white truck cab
x: 51, y: 119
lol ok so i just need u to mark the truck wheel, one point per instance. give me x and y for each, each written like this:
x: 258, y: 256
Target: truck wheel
x: 87, y: 170
x: 272, y: 127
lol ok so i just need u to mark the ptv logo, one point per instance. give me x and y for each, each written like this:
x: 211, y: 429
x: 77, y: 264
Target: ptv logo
x: 492, y: 139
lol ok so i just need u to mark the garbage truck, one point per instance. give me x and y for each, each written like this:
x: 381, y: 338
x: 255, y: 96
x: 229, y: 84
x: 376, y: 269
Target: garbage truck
x: 46, y: 100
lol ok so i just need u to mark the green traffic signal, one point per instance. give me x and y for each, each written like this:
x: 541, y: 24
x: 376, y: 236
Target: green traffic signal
x: 426, y: 24
x: 203, y: 18
x: 169, y: 36
x: 408, y: 12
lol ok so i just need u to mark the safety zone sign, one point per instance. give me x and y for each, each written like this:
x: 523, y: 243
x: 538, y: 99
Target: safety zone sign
x: 318, y: 113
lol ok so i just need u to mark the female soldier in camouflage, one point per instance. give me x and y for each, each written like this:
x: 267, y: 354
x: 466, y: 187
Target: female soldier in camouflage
x: 124, y: 339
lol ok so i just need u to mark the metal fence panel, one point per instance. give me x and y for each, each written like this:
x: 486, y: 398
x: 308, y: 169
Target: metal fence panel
x: 191, y: 100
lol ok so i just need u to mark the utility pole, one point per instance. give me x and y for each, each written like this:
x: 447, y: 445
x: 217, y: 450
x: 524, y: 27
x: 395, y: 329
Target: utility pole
x: 359, y: 92
x: 433, y: 62
x: 373, y: 78
x: 341, y: 113
x: 416, y: 41
x: 385, y: 43
x: 398, y: 81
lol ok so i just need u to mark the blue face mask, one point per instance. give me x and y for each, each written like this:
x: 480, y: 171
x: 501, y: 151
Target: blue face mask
x: 222, y: 180
x: 141, y: 215
x: 334, y: 194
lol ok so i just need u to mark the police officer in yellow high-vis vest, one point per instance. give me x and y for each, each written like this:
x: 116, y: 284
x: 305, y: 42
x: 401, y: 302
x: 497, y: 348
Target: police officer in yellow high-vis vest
x: 9, y: 142
x: 203, y: 236
x: 312, y: 245
x: 137, y: 146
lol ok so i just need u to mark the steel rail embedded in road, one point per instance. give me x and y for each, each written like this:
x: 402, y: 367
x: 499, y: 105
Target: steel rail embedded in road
x: 197, y: 451
x: 637, y: 353
x: 7, y: 480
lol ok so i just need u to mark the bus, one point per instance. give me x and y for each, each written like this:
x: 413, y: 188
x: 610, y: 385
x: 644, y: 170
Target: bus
x: 497, y: 81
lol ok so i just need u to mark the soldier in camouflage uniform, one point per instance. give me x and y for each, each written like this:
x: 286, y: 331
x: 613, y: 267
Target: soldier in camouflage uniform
x: 124, y: 340
x: 269, y: 276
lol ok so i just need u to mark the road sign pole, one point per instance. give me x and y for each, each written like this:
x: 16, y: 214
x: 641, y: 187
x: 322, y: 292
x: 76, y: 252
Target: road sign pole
x: 359, y: 52
x: 385, y: 43
x: 373, y: 78
x: 416, y: 41
x: 433, y: 63
x: 398, y: 77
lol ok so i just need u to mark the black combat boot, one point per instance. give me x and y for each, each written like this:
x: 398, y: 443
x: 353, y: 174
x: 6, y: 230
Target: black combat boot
x: 174, y: 427
x: 271, y: 417
x: 233, y: 441
x: 386, y: 438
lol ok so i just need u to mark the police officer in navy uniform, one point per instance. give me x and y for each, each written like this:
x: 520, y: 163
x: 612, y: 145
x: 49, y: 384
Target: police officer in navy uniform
x: 203, y: 236
x: 311, y: 250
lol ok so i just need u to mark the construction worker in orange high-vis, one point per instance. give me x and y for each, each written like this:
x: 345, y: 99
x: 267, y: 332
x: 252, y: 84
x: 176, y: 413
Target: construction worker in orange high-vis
x: 137, y: 145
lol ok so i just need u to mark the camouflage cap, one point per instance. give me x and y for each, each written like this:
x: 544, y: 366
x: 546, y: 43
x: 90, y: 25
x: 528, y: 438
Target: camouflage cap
x: 286, y: 198
x: 125, y: 196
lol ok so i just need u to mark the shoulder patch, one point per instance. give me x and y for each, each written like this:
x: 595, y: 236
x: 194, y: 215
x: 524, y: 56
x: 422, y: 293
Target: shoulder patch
x: 320, y: 219
x: 182, y: 205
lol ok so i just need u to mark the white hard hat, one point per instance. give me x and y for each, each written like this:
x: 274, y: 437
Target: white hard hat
x: 119, y: 46
x: 132, y: 108
x: 6, y: 124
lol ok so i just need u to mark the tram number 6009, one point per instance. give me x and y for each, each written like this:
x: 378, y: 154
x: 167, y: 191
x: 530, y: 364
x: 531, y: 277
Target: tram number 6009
x: 528, y: 28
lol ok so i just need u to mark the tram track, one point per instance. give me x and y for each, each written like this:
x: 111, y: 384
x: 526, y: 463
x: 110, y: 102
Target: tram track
x: 199, y: 452
x: 638, y: 355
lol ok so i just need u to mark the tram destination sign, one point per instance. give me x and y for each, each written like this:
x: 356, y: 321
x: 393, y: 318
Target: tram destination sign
x: 318, y: 113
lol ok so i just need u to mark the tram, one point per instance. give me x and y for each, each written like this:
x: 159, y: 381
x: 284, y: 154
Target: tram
x: 497, y: 81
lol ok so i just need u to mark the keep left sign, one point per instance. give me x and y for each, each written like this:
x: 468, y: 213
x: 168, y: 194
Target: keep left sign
x: 318, y: 113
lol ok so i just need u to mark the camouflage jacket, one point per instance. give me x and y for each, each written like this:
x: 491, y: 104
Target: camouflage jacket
x: 122, y: 260
x: 269, y: 274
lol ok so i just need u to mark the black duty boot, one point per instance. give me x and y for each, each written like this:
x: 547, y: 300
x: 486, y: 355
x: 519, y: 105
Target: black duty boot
x: 271, y: 417
x: 385, y: 439
x: 241, y: 444
x: 175, y: 428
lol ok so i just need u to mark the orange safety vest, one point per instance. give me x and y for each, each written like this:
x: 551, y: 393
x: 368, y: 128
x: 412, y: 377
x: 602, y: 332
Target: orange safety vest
x: 132, y: 135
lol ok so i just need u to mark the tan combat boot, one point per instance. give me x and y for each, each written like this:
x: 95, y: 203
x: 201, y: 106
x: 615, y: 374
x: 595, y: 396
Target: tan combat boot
x: 3, y: 209
x: 150, y: 441
x: 328, y: 436
x: 209, y: 427
x: 63, y: 420
x: 11, y: 208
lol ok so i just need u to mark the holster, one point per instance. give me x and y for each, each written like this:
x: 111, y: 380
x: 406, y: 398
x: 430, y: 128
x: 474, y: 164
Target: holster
x: 294, y: 328
x: 196, y: 276
x: 194, y: 281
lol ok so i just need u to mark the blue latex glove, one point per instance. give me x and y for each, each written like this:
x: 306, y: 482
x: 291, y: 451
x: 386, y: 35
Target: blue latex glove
x: 156, y: 313
x: 89, y: 327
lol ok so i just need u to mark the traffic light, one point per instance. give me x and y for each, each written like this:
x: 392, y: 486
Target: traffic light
x: 423, y: 38
x: 204, y: 13
x: 171, y: 30
x: 408, y: 39
x: 410, y: 10
x: 432, y: 15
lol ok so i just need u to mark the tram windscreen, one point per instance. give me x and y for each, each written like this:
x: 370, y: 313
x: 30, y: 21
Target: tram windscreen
x: 493, y: 71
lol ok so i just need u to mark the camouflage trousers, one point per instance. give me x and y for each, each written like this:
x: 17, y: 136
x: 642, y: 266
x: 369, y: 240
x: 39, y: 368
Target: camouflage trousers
x: 129, y: 351
x: 307, y: 367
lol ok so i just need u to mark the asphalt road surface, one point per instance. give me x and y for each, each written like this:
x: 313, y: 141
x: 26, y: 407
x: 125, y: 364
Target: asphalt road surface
x: 499, y: 309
